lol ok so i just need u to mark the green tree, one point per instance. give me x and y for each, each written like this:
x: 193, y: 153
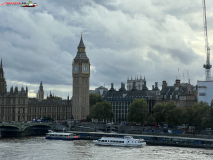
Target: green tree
x: 94, y: 98
x: 88, y: 119
x: 167, y: 113
x: 96, y: 111
x: 138, y: 111
x: 188, y: 116
x: 201, y: 109
x: 57, y: 98
x: 175, y: 116
x: 32, y: 98
x: 151, y: 120
x: 158, y: 112
x: 102, y: 110
x: 107, y: 114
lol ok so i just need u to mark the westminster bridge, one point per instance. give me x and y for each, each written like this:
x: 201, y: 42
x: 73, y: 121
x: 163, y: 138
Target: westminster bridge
x: 22, y: 129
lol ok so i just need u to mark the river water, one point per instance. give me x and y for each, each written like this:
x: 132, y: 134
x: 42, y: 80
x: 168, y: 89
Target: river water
x: 38, y: 148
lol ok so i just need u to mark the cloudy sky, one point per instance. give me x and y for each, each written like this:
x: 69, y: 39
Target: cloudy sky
x: 122, y: 38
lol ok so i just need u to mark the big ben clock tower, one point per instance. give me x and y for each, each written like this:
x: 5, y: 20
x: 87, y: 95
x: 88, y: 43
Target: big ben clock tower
x: 80, y: 74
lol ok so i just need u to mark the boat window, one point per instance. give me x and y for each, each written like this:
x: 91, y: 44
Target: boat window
x: 102, y: 141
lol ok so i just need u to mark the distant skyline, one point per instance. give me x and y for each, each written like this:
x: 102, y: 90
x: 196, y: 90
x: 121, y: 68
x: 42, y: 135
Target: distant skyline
x: 122, y: 39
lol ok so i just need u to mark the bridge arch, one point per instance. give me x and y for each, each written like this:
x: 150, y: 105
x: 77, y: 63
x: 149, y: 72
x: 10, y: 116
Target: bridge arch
x: 37, y: 129
x: 10, y: 131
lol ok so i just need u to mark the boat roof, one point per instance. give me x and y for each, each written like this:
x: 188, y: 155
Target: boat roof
x: 117, y: 137
x: 65, y: 134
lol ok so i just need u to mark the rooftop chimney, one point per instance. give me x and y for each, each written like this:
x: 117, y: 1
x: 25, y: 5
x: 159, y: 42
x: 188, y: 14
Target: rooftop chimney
x: 144, y: 86
x: 177, y: 83
x: 122, y: 87
x: 112, y: 88
x: 164, y: 84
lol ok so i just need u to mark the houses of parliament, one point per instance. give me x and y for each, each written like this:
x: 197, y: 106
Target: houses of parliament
x: 16, y: 106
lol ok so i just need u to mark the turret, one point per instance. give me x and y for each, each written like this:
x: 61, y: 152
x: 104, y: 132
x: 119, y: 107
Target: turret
x: 3, y: 83
x: 26, y: 91
x: 11, y: 90
x: 112, y: 88
x: 81, y: 54
x: 41, y: 87
x: 16, y: 90
x: 134, y: 87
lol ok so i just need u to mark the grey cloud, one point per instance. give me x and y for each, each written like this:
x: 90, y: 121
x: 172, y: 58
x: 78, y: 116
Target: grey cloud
x: 122, y: 38
x: 183, y: 55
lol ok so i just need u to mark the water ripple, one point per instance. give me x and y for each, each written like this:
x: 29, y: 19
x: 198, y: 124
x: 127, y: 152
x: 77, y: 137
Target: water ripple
x: 37, y: 148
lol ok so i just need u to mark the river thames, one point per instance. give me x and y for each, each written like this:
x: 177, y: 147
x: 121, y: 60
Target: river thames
x: 38, y: 148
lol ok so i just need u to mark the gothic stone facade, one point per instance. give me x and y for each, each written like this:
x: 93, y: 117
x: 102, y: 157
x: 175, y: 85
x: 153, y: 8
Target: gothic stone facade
x: 138, y: 82
x: 13, y: 104
x: 81, y: 74
x: 16, y: 106
x: 56, y: 109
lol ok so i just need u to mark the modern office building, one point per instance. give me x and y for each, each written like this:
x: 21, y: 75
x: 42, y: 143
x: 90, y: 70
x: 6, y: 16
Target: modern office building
x: 205, y: 91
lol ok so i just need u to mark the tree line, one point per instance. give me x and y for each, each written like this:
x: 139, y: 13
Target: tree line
x: 199, y: 115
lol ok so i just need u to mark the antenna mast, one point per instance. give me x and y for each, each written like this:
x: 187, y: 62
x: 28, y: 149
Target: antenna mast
x: 188, y: 75
x: 207, y: 66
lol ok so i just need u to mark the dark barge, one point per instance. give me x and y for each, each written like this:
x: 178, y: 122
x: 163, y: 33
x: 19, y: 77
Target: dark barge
x: 153, y: 139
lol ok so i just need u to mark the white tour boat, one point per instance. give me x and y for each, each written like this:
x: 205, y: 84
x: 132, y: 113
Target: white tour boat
x: 61, y: 136
x: 126, y: 141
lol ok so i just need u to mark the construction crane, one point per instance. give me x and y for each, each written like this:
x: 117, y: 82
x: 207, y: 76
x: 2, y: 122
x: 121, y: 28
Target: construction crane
x: 207, y: 66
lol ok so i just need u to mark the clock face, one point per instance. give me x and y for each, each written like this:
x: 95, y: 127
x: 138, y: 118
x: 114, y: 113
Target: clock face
x: 76, y: 68
x: 85, y: 68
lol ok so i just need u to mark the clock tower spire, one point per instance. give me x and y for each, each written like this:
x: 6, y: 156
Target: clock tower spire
x: 80, y: 74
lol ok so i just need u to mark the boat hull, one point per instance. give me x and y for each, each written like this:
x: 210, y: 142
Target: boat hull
x: 68, y: 139
x: 118, y: 144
